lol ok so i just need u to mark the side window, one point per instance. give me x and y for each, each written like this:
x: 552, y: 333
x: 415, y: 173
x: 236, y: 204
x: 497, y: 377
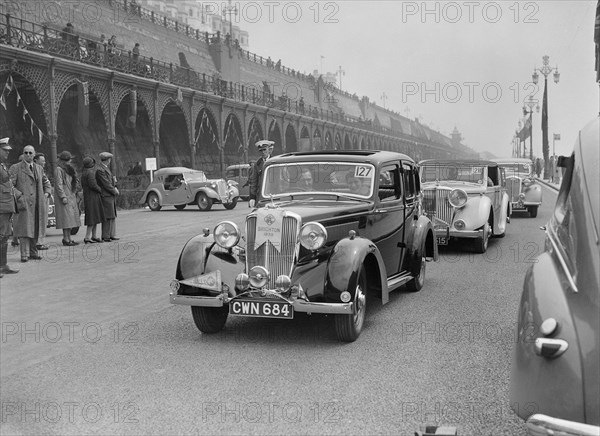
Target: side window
x: 244, y: 172
x: 173, y: 181
x: 492, y: 179
x: 564, y: 220
x: 231, y: 174
x: 389, y: 183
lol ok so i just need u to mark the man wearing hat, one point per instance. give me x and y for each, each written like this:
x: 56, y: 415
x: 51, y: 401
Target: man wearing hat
x: 266, y: 149
x: 106, y: 181
x: 29, y: 178
x: 7, y: 207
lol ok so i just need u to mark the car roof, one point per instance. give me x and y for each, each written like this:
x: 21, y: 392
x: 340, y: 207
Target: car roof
x: 174, y: 170
x: 371, y: 156
x: 458, y: 162
x: 230, y: 167
x: 506, y: 160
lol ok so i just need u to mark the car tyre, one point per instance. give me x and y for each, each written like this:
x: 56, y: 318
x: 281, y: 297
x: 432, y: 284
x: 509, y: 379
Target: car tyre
x: 180, y: 206
x: 348, y: 327
x: 204, y: 202
x: 231, y: 205
x: 532, y: 211
x: 153, y: 202
x: 416, y: 284
x: 210, y: 319
x: 481, y: 244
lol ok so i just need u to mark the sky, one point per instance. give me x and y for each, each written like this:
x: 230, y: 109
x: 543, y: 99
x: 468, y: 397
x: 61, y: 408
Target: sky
x: 466, y: 63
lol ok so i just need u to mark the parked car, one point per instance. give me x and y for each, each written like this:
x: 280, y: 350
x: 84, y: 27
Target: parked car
x: 524, y: 191
x: 329, y: 228
x: 178, y: 186
x: 240, y: 173
x: 556, y: 367
x: 465, y: 199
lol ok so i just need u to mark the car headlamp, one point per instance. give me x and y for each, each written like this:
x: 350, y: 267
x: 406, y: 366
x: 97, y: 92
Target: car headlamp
x: 457, y: 198
x: 227, y: 234
x: 313, y: 236
x: 259, y: 276
x: 283, y: 283
x: 242, y: 282
x: 459, y: 225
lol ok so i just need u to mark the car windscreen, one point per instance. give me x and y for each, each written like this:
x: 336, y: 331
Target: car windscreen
x: 196, y: 176
x: 452, y: 172
x: 353, y: 179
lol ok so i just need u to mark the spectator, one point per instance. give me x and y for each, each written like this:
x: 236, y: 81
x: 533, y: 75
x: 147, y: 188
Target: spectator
x: 8, y: 196
x: 136, y: 52
x: 29, y: 178
x: 137, y: 170
x: 66, y: 186
x: 103, y: 44
x: 40, y: 159
x: 266, y: 149
x: 111, y: 47
x: 107, y: 184
x: 92, y: 200
x: 301, y: 105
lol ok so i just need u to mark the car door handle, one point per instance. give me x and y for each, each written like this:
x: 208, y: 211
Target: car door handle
x: 550, y: 348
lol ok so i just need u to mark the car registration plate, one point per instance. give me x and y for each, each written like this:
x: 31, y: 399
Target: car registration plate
x: 261, y: 309
x: 442, y: 240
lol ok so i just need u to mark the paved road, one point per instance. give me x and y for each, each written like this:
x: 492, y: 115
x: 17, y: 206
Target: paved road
x: 90, y: 345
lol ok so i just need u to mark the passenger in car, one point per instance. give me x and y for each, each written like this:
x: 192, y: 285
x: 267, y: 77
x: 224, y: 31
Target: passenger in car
x: 357, y: 185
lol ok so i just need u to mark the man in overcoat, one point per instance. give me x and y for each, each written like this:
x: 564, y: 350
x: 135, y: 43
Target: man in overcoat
x: 106, y: 181
x: 7, y: 207
x: 29, y: 178
x: 265, y: 147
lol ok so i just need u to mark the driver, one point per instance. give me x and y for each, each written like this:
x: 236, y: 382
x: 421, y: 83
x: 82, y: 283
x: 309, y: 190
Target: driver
x: 305, y: 181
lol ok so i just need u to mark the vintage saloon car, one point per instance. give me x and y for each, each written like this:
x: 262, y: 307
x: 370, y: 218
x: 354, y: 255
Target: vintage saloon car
x: 465, y: 199
x: 555, y: 381
x: 240, y: 173
x: 178, y: 186
x: 524, y: 191
x: 328, y: 229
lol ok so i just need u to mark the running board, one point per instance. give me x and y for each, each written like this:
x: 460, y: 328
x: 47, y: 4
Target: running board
x: 397, y: 281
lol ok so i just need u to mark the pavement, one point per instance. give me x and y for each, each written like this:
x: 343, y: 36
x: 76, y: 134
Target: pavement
x: 549, y: 183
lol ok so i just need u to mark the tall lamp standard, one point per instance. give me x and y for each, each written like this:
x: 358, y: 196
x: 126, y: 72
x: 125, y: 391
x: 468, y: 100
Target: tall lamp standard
x: 556, y: 137
x: 528, y: 106
x: 545, y: 70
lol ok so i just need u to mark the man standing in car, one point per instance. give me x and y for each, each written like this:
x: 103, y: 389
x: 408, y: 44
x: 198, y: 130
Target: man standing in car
x: 265, y: 147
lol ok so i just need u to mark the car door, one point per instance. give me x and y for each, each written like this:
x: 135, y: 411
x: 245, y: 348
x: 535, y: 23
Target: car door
x: 176, y: 189
x: 411, y: 193
x: 386, y: 224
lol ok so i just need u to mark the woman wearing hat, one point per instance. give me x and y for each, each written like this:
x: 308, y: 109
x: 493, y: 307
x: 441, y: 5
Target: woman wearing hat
x: 65, y: 190
x: 92, y: 200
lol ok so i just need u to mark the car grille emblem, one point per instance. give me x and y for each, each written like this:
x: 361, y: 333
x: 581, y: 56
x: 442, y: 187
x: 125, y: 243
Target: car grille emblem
x: 270, y: 219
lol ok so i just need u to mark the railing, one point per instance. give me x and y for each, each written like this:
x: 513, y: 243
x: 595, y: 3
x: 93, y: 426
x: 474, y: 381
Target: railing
x: 27, y: 35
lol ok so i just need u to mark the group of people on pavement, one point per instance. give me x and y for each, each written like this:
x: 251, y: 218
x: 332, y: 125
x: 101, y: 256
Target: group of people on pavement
x: 25, y: 192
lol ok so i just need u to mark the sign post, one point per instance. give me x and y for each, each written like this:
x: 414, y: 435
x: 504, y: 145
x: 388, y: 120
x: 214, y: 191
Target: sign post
x: 151, y: 166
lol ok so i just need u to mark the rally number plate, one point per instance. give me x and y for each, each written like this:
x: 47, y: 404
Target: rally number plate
x: 442, y: 240
x: 261, y: 309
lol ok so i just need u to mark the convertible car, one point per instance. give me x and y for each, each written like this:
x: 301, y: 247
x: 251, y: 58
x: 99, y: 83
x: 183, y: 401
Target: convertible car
x: 555, y: 381
x: 328, y: 230
x: 524, y: 191
x: 465, y: 199
x: 178, y: 186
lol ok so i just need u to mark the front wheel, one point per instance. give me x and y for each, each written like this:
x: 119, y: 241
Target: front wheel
x: 348, y: 327
x: 231, y: 205
x: 153, y: 202
x: 532, y: 211
x: 481, y: 244
x: 416, y: 284
x: 204, y: 202
x: 210, y: 319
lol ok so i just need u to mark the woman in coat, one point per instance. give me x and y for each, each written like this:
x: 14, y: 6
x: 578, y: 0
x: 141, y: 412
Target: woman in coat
x: 65, y: 189
x: 92, y: 200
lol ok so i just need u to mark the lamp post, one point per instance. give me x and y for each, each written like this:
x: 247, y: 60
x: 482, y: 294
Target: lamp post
x: 384, y: 98
x: 555, y: 137
x: 230, y: 10
x: 545, y: 70
x: 528, y: 106
x: 341, y: 73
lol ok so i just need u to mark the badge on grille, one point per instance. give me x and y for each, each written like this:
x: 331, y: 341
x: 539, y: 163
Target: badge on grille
x: 268, y: 228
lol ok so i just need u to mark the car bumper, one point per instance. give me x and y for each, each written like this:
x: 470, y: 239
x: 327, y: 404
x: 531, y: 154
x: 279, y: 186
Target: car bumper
x: 453, y: 233
x: 538, y: 425
x: 298, y: 304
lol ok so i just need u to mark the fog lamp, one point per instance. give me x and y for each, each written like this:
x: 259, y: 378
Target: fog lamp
x: 283, y: 283
x: 459, y: 225
x: 345, y: 296
x: 227, y: 234
x: 259, y: 276
x: 174, y: 285
x: 242, y: 282
x: 521, y: 196
x: 313, y: 236
x: 457, y: 198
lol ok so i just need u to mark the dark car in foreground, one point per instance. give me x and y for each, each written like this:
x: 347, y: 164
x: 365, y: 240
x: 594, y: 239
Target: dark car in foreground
x: 329, y: 228
x: 555, y: 382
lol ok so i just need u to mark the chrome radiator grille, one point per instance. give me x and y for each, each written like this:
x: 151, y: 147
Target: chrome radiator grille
x: 222, y: 188
x: 277, y: 260
x: 435, y: 204
x: 513, y: 187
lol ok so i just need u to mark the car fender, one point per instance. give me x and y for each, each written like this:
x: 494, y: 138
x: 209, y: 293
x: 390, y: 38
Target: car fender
x: 476, y: 212
x: 533, y: 194
x: 423, y: 238
x: 144, y: 198
x: 499, y: 225
x: 552, y: 386
x: 235, y: 192
x: 210, y: 193
x: 346, y: 259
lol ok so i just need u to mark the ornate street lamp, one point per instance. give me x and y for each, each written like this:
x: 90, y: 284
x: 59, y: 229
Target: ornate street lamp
x: 545, y: 70
x: 528, y: 106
